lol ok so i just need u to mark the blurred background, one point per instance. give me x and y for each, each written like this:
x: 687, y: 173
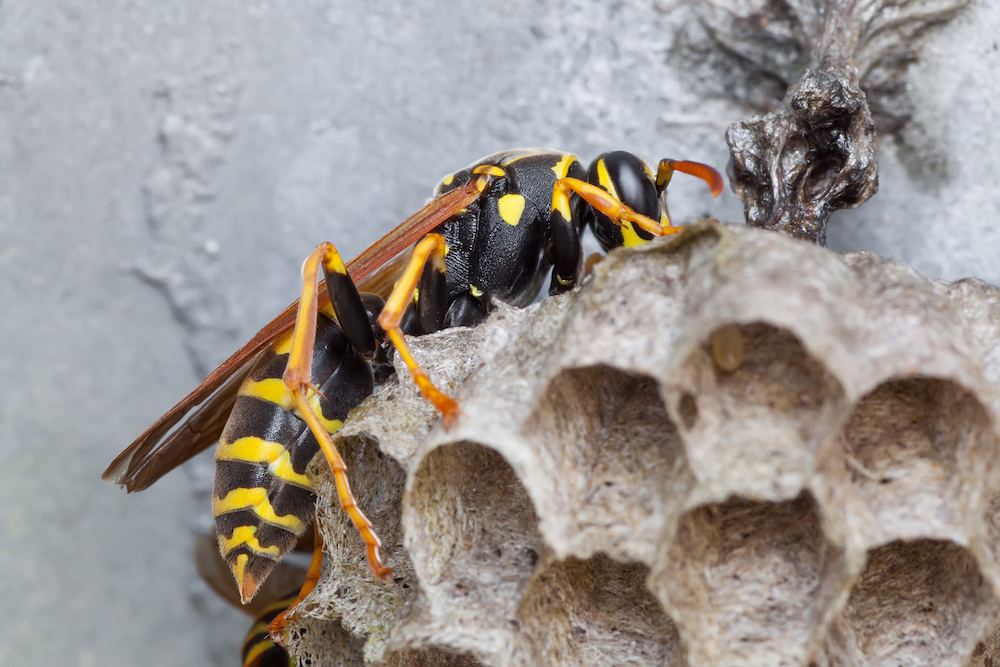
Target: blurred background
x: 165, y: 167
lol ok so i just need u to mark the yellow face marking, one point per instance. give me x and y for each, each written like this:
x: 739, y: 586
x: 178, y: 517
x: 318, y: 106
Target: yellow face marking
x: 270, y: 389
x: 604, y: 178
x: 629, y: 236
x: 511, y: 207
x: 246, y: 536
x: 256, y: 500
x: 475, y: 291
x: 561, y: 168
x: 448, y: 179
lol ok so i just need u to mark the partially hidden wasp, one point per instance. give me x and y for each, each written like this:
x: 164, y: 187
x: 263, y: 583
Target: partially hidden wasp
x: 491, y: 231
x: 274, y: 598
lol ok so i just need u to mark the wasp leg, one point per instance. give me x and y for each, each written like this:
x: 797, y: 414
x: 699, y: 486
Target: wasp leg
x: 277, y: 627
x: 298, y: 379
x: 667, y: 168
x: 565, y: 249
x: 431, y: 247
x: 606, y: 203
x: 702, y: 171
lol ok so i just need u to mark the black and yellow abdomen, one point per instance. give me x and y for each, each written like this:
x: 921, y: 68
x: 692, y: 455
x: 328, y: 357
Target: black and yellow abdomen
x: 258, y: 649
x: 263, y: 501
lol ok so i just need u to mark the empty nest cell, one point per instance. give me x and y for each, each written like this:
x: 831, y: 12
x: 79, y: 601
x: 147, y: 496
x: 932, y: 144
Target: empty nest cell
x: 750, y: 582
x: 911, y: 448
x: 614, y: 461
x: 596, y: 612
x: 479, y: 547
x: 917, y: 603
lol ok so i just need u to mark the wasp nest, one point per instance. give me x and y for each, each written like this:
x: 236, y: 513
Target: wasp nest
x: 726, y: 448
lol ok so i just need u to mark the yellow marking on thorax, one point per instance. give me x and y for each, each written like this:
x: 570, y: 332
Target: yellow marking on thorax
x: 246, y: 536
x: 604, y: 178
x: 255, y: 499
x: 511, y: 207
x: 520, y: 155
x: 448, y: 179
x: 561, y: 168
x: 251, y: 449
x: 475, y: 291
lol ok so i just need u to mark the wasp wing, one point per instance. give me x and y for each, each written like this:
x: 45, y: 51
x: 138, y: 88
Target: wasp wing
x: 197, y: 421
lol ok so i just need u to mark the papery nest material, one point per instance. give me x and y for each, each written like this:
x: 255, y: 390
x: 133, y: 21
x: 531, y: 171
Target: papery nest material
x: 612, y: 494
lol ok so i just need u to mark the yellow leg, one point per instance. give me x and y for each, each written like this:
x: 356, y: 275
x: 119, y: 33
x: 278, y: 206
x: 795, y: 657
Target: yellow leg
x: 298, y: 379
x: 607, y: 204
x: 347, y: 501
x: 279, y: 623
x: 432, y: 247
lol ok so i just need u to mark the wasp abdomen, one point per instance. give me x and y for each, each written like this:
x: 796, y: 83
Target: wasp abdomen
x: 258, y: 649
x: 263, y: 500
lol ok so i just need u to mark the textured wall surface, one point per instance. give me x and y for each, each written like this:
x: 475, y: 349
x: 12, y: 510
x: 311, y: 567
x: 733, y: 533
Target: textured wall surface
x: 164, y: 167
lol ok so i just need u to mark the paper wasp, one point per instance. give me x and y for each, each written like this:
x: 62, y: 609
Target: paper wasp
x: 492, y: 231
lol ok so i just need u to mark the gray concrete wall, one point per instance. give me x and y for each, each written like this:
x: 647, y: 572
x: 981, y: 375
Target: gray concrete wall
x: 165, y: 166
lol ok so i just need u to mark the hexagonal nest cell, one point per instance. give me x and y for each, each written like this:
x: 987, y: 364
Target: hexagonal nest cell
x: 727, y: 447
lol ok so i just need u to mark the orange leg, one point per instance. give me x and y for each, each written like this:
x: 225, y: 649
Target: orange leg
x: 606, y: 203
x: 278, y: 625
x: 298, y: 379
x: 702, y: 171
x: 432, y: 247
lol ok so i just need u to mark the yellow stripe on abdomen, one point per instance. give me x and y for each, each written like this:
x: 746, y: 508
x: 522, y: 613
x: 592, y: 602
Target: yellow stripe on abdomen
x: 256, y: 500
x: 246, y: 536
x: 272, y: 390
x: 251, y: 449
